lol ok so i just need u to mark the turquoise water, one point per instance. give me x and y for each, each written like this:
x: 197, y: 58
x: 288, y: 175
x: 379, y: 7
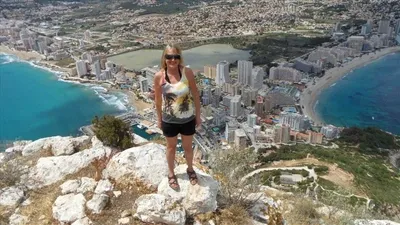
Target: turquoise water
x: 368, y: 96
x: 35, y: 104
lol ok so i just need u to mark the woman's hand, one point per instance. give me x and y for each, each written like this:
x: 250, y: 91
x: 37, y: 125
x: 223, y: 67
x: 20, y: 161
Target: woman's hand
x: 198, y: 122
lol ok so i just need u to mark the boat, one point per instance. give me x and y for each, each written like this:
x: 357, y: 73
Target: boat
x: 179, y: 145
x: 140, y: 126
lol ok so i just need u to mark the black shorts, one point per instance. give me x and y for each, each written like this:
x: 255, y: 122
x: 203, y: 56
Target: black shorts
x: 173, y: 129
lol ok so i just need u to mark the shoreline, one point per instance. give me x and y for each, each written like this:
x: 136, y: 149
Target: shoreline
x: 37, y: 60
x: 309, y: 96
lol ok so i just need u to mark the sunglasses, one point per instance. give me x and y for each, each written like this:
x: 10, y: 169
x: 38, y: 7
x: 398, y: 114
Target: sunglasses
x: 169, y: 57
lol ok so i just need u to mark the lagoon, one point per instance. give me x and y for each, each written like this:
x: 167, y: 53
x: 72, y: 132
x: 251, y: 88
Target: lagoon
x: 196, y: 58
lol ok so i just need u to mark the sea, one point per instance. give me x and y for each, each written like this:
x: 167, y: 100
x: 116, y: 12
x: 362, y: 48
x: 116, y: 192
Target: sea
x: 367, y: 96
x: 36, y: 103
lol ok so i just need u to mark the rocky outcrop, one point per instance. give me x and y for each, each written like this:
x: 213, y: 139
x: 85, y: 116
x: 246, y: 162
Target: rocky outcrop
x: 69, y: 208
x: 57, y: 145
x: 375, y: 222
x: 11, y: 196
x: 52, y: 169
x: 97, y: 203
x: 18, y: 146
x: 103, y: 186
x: 146, y: 163
x: 199, y: 198
x: 83, y: 221
x: 156, y: 208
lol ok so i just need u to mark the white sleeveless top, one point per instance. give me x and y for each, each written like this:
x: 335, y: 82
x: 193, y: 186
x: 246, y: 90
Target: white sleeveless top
x: 178, y: 104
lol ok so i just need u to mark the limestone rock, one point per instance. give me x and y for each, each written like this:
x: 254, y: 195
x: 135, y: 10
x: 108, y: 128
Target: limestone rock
x: 58, y: 145
x: 117, y: 193
x: 69, y: 208
x: 17, y: 219
x: 83, y: 221
x: 11, y: 196
x: 103, y: 186
x: 69, y: 186
x: 146, y: 163
x: 375, y: 222
x: 126, y: 213
x: 199, y: 198
x: 18, y: 146
x: 98, y: 202
x: 124, y: 220
x: 52, y: 169
x: 86, y: 184
x: 155, y: 208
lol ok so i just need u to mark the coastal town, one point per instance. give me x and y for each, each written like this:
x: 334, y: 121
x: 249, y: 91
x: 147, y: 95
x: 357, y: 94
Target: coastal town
x: 257, y: 106
x: 262, y: 68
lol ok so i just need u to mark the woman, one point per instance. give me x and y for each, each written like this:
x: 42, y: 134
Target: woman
x: 178, y: 109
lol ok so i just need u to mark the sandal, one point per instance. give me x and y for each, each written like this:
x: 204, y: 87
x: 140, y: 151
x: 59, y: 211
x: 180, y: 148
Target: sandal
x: 173, y: 182
x: 192, y: 177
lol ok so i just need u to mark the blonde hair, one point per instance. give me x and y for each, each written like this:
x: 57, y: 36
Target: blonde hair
x: 178, y: 50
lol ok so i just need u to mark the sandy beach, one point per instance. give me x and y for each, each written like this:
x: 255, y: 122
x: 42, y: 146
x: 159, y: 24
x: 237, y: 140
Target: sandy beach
x: 309, y: 97
x: 21, y: 54
x: 138, y: 104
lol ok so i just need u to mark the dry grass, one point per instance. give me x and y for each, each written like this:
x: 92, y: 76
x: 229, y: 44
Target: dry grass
x: 303, y: 212
x: 233, y: 215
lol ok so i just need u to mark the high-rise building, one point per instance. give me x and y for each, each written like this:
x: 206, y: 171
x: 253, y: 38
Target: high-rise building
x: 259, y: 108
x: 144, y: 87
x: 281, y: 134
x: 306, y: 67
x: 222, y: 75
x: 150, y: 73
x: 257, y: 77
x: 330, y: 131
x: 240, y: 139
x: 295, y: 121
x: 219, y: 115
x: 230, y: 128
x: 42, y: 46
x: 81, y: 68
x: 207, y: 95
x: 251, y: 120
x: 284, y: 73
x: 314, y: 137
x: 384, y: 27
x: 210, y: 71
x: 235, y: 108
x: 96, y: 70
x: 365, y: 29
x: 356, y: 42
x: 245, y: 72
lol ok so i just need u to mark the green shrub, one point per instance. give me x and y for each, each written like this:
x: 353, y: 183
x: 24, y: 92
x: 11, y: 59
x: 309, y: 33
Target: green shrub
x: 113, y: 132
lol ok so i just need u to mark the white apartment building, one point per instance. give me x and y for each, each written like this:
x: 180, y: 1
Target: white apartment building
x: 240, y: 139
x: 251, y: 120
x: 384, y: 26
x: 236, y: 109
x: 295, y: 121
x: 257, y: 77
x: 284, y: 73
x: 330, y: 131
x: 222, y: 76
x: 245, y: 72
x: 356, y: 43
x: 96, y: 70
x: 81, y: 68
x: 143, y: 83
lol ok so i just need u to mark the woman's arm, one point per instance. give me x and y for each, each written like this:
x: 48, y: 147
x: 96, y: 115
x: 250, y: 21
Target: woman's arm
x: 158, y: 97
x: 195, y: 93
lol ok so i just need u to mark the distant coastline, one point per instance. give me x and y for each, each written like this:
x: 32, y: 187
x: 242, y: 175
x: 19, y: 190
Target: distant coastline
x: 37, y: 60
x: 310, y: 95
